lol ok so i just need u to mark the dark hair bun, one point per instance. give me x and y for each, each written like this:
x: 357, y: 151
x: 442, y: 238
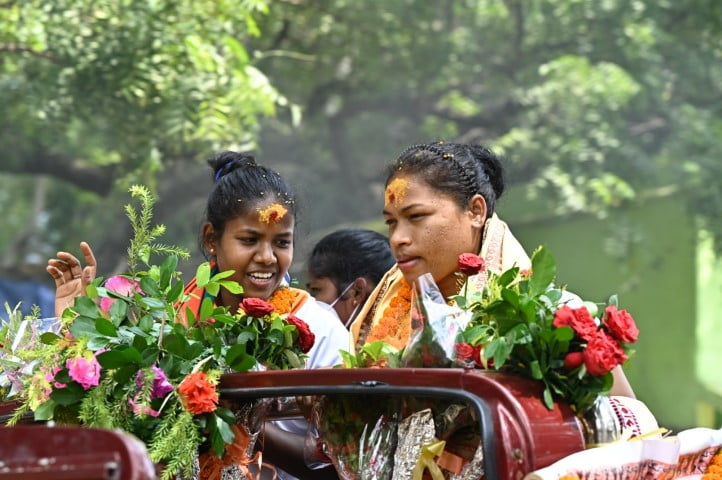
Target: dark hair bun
x: 225, y: 162
x: 492, y: 166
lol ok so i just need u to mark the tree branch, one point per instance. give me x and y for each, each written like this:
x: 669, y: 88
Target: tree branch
x: 14, y: 48
x: 41, y: 162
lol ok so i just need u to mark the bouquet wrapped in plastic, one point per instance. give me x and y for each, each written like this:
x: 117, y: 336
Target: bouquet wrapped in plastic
x: 435, y: 325
x: 359, y: 434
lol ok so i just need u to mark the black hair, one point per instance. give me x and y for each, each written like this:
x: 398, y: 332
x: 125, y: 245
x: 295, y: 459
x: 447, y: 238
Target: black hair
x: 459, y: 170
x: 240, y: 183
x: 347, y: 254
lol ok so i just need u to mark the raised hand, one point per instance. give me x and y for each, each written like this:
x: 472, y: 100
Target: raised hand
x: 70, y: 276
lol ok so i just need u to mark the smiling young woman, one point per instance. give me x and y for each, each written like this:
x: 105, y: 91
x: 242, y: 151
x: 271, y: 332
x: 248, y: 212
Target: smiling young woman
x: 248, y: 227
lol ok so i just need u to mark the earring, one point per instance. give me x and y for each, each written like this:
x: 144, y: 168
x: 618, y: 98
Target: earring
x: 213, y: 251
x: 354, y: 303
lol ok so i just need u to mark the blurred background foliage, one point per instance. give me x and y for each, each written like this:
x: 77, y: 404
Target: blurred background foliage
x: 592, y: 103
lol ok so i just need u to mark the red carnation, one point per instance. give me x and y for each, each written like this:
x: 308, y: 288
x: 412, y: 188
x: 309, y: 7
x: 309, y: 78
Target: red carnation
x: 470, y: 264
x: 464, y: 351
x: 306, y: 338
x: 573, y: 360
x: 256, y: 307
x: 602, y: 354
x: 197, y: 394
x: 621, y: 324
x: 578, y: 318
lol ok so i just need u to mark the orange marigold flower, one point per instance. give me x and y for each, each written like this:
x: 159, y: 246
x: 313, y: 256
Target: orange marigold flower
x: 569, y: 477
x: 715, y: 469
x: 198, y: 395
x: 394, y: 327
x: 717, y: 459
x: 283, y: 300
x: 711, y: 476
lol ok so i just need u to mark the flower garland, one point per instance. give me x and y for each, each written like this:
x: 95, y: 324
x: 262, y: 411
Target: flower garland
x: 714, y: 469
x: 283, y: 300
x: 394, y: 327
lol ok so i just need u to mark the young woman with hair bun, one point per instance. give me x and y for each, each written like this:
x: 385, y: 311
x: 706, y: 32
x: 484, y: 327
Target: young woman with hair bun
x: 440, y: 202
x: 249, y: 227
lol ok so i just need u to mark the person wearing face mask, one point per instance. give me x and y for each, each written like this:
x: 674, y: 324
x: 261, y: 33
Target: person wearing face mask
x: 344, y: 268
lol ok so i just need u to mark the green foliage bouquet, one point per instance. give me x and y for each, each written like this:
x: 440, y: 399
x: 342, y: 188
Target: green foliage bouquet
x: 121, y: 358
x: 521, y: 323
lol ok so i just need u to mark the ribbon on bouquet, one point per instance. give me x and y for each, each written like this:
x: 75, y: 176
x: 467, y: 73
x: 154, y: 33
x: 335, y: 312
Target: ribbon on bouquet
x: 426, y: 461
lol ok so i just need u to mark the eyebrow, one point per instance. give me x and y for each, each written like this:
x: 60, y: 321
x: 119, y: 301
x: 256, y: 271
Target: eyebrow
x: 405, y: 209
x: 253, y: 231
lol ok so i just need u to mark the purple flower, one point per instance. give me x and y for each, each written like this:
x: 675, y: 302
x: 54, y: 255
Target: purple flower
x: 122, y: 286
x: 161, y: 386
x: 85, y: 372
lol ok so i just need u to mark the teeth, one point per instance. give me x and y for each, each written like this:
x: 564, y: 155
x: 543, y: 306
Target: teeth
x: 261, y: 276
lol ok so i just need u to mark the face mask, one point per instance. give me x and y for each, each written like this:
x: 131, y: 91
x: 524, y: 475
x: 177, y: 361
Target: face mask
x: 353, y: 312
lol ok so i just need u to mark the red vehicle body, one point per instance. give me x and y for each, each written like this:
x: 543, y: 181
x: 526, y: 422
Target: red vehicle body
x: 523, y: 434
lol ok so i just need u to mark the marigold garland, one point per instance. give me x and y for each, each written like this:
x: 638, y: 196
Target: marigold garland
x: 394, y: 327
x: 714, y: 470
x: 283, y: 300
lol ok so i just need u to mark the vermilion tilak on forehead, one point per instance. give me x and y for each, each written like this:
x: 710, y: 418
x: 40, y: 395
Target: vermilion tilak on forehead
x: 396, y: 191
x: 272, y: 213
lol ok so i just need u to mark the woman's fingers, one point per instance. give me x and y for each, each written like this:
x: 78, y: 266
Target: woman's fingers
x: 90, y: 265
x: 66, y: 267
x: 55, y: 273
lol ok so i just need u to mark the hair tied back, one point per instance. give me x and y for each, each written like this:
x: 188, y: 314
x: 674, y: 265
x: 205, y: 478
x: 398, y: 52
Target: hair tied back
x: 231, y: 164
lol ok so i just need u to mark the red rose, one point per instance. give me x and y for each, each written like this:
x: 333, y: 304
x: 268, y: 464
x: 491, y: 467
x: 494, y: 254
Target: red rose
x: 602, y: 354
x: 478, y: 352
x: 621, y: 324
x: 573, y: 360
x: 198, y: 395
x: 306, y: 338
x: 578, y: 318
x: 256, y: 307
x: 470, y: 264
x: 464, y: 351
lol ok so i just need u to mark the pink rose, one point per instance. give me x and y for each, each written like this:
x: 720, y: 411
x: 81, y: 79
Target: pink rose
x: 256, y: 307
x: 122, y: 286
x: 578, y: 318
x: 85, y: 372
x: 621, y: 324
x: 602, y: 354
x: 50, y: 377
x: 470, y: 264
